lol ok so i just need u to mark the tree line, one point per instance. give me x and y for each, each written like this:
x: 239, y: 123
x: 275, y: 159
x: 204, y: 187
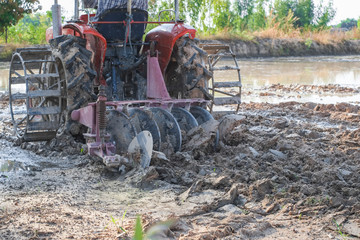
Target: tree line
x: 207, y: 16
x: 11, y: 11
x: 240, y: 15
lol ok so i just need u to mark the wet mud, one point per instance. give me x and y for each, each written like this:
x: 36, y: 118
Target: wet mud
x: 279, y: 171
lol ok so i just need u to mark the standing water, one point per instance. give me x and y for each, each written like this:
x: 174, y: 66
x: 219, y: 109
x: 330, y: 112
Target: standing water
x: 259, y: 74
x: 4, y: 76
x: 297, y: 77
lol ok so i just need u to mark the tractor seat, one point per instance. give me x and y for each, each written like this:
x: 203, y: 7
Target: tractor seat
x: 116, y: 32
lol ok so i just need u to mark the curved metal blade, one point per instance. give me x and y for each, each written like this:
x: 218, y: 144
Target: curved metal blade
x: 121, y: 130
x: 143, y: 120
x: 201, y: 114
x: 184, y: 118
x: 141, y: 148
x: 169, y: 130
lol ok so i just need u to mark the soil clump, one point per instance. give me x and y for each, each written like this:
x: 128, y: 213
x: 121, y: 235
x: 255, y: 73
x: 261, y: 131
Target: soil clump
x: 285, y: 171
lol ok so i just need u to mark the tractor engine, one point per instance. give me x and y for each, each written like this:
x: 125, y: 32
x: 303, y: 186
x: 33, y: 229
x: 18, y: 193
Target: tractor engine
x: 124, y: 63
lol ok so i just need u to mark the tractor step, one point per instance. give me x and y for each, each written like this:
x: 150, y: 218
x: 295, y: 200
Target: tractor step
x: 34, y: 51
x: 44, y: 110
x: 44, y: 93
x: 222, y: 97
x: 36, y: 126
x: 224, y: 68
x: 221, y: 55
x: 215, y: 48
x: 34, y: 61
x: 227, y: 100
x: 38, y: 111
x: 36, y: 93
x: 18, y: 96
x: 17, y: 80
x: 43, y: 75
x: 227, y: 84
x: 39, y: 136
x: 39, y: 61
x: 22, y: 79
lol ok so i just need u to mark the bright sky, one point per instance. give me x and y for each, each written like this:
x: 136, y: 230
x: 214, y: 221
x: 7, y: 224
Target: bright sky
x: 344, y: 8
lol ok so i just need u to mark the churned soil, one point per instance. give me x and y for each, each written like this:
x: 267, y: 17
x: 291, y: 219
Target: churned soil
x: 279, y: 171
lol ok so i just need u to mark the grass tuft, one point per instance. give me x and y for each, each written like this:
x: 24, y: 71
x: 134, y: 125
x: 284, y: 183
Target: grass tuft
x: 6, y: 50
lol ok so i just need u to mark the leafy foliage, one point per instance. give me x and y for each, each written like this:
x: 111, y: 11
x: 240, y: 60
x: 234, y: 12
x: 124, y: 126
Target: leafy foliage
x: 31, y: 29
x: 348, y: 23
x: 11, y: 11
x: 239, y: 15
x: 259, y: 16
x: 324, y: 14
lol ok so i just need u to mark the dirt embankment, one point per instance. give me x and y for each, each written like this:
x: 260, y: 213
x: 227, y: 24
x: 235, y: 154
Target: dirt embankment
x: 288, y: 47
x: 265, y: 47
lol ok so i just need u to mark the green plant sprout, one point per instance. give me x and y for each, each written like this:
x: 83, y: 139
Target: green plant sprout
x: 139, y: 234
x: 338, y: 229
x: 119, y: 228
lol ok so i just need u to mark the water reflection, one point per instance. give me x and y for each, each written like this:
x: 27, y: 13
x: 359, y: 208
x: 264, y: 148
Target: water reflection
x: 4, y: 76
x: 343, y: 70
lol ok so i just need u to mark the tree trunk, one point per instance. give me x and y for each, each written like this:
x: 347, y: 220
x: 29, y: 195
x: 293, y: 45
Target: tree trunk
x: 6, y: 34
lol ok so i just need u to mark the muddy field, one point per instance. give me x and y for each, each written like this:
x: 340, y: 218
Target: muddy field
x: 280, y: 171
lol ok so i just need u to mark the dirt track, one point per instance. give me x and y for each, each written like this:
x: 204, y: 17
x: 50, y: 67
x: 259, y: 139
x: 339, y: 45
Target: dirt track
x: 284, y: 171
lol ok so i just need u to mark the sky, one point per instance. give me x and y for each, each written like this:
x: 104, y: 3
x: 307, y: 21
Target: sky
x: 344, y: 8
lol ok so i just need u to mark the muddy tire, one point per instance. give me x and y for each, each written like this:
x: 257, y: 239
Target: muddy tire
x: 73, y: 61
x: 186, y: 75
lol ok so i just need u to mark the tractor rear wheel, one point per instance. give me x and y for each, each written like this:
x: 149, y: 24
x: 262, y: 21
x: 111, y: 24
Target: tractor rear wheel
x: 186, y: 75
x: 73, y: 62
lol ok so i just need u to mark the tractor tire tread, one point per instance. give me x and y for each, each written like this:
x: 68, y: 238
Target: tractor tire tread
x: 189, y: 60
x: 76, y: 61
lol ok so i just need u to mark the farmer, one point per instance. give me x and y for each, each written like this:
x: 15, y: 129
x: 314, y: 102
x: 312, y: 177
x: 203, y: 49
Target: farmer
x: 103, y: 5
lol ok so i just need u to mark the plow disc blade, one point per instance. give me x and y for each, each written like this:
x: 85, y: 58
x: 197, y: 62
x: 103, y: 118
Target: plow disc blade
x: 141, y: 148
x: 169, y: 130
x: 120, y: 129
x: 143, y: 120
x: 201, y: 114
x: 184, y: 118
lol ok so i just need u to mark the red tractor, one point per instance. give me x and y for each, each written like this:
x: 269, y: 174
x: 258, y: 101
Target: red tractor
x: 100, y: 80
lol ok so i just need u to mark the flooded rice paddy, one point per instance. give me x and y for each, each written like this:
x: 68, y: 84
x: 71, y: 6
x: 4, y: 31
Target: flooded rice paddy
x: 259, y: 75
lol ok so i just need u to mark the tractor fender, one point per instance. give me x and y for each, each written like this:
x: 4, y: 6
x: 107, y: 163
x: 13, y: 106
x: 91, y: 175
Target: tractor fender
x: 95, y: 43
x: 165, y: 37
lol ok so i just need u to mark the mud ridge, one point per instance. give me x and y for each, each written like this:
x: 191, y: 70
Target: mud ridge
x: 261, y: 47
